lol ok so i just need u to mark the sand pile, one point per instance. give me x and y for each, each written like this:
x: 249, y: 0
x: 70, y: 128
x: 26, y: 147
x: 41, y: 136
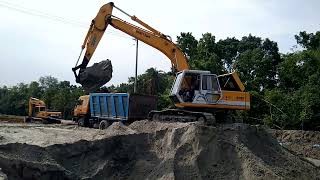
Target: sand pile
x: 149, y: 150
x: 305, y: 143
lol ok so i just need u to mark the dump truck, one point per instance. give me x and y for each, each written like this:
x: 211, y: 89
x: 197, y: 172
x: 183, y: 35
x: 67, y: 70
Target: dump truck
x: 37, y: 111
x: 100, y: 110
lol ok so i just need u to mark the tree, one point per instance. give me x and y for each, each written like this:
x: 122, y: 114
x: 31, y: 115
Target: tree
x: 187, y: 43
x: 202, y: 54
x: 257, y: 63
x: 228, y: 51
x: 309, y: 41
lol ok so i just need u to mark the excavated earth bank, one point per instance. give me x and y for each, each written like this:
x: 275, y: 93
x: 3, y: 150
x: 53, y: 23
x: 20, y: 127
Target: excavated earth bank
x: 147, y: 150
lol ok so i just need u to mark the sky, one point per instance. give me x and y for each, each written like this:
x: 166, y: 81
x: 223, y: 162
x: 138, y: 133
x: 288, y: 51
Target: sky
x: 42, y: 37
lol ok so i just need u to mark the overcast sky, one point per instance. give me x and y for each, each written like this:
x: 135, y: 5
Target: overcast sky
x: 42, y: 37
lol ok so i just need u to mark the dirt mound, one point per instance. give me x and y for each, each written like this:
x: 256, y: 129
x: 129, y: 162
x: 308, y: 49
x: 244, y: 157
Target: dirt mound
x: 304, y: 143
x: 154, y: 150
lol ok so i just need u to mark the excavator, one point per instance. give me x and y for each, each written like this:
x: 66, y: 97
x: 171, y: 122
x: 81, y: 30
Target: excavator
x: 37, y: 111
x: 197, y: 95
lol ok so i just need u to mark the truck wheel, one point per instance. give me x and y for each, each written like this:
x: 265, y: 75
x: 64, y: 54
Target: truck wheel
x: 46, y: 121
x: 104, y: 124
x: 27, y: 119
x: 201, y: 120
x: 81, y: 122
x: 155, y: 117
x: 96, y: 125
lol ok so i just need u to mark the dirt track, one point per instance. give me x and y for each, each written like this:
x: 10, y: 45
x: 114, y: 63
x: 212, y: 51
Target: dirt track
x: 147, y: 150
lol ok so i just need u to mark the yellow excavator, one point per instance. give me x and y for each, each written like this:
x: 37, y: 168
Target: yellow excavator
x: 37, y: 111
x: 198, y: 95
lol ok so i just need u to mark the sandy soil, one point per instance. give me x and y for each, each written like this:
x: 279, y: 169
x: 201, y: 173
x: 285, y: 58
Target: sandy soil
x: 11, y: 119
x: 302, y: 143
x: 147, y: 150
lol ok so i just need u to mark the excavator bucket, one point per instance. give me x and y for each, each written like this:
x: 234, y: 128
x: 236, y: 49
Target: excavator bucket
x: 92, y: 78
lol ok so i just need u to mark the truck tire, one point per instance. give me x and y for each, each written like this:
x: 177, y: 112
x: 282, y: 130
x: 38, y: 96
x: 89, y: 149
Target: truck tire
x: 104, y: 124
x: 45, y: 121
x: 27, y: 119
x: 201, y: 120
x: 155, y: 117
x: 81, y: 122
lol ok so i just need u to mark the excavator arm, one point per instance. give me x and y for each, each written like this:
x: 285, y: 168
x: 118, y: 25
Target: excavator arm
x: 161, y: 43
x: 146, y: 34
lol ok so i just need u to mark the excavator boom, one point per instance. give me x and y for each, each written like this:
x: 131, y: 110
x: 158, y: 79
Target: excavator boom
x: 93, y: 77
x: 166, y: 46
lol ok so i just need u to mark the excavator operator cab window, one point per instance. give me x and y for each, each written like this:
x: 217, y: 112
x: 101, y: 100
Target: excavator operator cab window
x: 196, y: 87
x: 42, y: 108
x: 189, y: 87
x: 39, y: 109
x: 210, y: 82
x: 79, y: 102
x: 210, y: 88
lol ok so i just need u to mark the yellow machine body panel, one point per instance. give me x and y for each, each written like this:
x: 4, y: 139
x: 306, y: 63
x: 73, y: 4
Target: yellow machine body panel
x: 45, y: 114
x: 229, y: 100
x: 82, y: 107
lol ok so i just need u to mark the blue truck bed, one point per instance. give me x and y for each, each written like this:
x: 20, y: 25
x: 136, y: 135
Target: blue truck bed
x: 120, y: 106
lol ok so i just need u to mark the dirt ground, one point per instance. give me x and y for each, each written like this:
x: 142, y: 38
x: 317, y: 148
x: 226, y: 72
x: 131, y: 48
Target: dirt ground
x: 11, y: 118
x: 302, y: 143
x: 147, y: 150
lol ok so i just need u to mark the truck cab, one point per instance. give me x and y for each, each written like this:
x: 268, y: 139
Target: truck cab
x: 82, y: 106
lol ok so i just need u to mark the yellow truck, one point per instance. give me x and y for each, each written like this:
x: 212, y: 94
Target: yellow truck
x: 37, y: 111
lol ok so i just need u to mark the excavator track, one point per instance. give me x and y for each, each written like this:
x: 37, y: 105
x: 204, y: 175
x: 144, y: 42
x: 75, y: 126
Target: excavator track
x: 178, y: 115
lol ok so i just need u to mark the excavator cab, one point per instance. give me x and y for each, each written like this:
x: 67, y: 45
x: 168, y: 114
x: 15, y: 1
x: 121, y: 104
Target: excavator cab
x: 197, y: 87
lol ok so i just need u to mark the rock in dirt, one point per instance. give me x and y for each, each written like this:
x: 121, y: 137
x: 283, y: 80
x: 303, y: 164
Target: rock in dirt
x: 148, y: 150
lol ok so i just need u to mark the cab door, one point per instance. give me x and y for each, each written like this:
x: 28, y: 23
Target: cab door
x: 210, y: 88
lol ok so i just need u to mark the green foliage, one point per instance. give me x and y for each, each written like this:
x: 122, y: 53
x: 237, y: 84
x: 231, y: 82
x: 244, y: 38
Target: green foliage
x: 187, y: 43
x: 60, y: 96
x: 203, y: 53
x: 227, y: 50
x: 309, y: 40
